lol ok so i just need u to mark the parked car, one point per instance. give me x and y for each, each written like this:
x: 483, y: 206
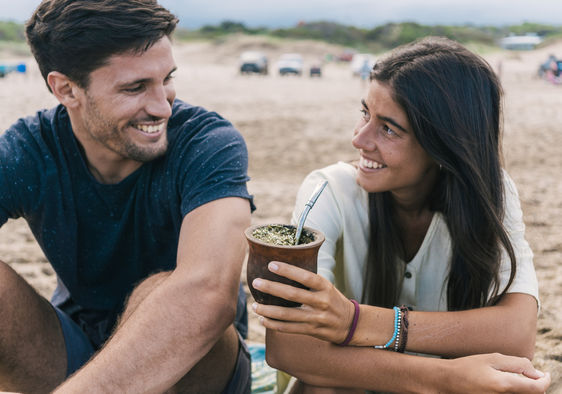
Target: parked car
x: 290, y: 63
x: 315, y: 70
x: 359, y: 60
x: 253, y: 62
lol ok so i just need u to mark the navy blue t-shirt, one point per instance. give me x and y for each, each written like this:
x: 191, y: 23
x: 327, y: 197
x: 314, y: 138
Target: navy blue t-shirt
x: 104, y: 239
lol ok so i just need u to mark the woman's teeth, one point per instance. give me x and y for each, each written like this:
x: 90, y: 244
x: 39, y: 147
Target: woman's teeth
x: 370, y: 164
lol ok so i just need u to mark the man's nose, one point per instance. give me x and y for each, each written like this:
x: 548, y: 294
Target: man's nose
x: 160, y: 101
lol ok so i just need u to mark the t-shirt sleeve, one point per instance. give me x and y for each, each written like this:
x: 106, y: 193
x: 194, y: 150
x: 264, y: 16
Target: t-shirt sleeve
x: 215, y: 166
x: 525, y: 280
x: 6, y: 198
x: 18, y: 178
x: 324, y: 217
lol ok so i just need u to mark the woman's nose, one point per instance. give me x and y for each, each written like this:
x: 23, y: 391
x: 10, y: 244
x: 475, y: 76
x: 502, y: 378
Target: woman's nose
x: 363, y: 138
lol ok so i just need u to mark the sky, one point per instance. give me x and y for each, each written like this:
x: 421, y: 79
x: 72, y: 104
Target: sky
x: 361, y: 13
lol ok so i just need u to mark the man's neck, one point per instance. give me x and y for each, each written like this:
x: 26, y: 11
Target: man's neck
x: 111, y: 176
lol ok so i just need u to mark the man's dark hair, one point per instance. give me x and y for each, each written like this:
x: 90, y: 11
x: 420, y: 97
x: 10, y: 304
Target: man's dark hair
x: 76, y: 37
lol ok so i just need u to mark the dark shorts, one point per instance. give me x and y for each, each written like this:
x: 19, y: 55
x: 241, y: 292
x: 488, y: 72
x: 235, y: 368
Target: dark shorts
x: 79, y: 349
x: 241, y: 381
x: 78, y: 346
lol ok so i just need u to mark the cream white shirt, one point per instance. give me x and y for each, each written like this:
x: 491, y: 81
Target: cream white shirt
x: 341, y: 213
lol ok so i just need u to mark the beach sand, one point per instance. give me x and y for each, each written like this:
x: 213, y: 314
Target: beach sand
x: 293, y: 125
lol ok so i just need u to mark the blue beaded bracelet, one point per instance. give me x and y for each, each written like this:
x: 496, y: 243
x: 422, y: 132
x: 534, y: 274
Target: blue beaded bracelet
x: 397, y: 318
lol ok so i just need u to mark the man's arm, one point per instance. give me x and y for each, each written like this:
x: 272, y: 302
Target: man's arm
x: 183, y: 317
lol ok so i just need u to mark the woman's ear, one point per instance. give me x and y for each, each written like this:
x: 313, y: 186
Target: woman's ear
x: 65, y: 90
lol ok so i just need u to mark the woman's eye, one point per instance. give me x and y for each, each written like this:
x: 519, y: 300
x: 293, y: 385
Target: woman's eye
x: 387, y: 130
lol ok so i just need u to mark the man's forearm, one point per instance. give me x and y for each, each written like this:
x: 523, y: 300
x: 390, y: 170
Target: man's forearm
x: 165, y: 336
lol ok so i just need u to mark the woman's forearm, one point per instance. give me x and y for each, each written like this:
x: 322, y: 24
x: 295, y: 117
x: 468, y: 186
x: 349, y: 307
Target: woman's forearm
x: 320, y: 363
x: 508, y: 328
x: 323, y: 364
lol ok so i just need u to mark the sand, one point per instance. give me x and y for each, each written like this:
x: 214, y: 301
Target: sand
x: 293, y: 125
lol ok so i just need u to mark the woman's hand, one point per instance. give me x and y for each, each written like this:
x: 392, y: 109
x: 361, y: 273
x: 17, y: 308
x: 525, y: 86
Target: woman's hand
x: 495, y: 373
x: 325, y: 312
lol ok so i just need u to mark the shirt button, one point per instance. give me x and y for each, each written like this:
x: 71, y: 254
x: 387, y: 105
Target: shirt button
x: 408, y: 274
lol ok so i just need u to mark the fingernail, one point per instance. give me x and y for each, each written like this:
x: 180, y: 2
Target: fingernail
x: 540, y: 373
x: 260, y: 319
x: 254, y: 306
x: 273, y: 267
x: 257, y: 283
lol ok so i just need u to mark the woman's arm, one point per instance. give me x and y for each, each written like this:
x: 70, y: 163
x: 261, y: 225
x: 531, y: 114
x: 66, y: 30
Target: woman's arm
x: 508, y: 327
x: 320, y: 363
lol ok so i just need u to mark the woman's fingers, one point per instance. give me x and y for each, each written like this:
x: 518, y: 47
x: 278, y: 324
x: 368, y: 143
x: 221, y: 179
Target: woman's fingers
x: 286, y: 327
x: 288, y: 292
x: 280, y: 313
x: 307, y: 278
x: 514, y: 364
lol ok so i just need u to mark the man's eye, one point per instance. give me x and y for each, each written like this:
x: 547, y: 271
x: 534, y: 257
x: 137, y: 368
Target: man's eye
x: 134, y: 89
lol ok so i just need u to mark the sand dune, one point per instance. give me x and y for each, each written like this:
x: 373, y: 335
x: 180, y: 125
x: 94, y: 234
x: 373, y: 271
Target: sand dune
x: 295, y: 124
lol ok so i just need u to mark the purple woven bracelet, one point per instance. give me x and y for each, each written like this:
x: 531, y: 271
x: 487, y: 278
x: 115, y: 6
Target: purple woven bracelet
x: 353, y: 324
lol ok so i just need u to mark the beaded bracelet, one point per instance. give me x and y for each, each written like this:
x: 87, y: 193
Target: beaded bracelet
x: 353, y: 324
x: 405, y: 325
x: 397, y: 319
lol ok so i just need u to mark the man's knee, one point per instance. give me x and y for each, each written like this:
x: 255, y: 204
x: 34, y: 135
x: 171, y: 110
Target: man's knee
x: 12, y: 285
x: 32, y: 350
x: 213, y: 372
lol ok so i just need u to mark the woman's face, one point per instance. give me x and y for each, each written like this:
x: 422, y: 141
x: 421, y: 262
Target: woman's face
x: 391, y: 159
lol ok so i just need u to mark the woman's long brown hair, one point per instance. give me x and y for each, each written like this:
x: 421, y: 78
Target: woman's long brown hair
x: 452, y: 99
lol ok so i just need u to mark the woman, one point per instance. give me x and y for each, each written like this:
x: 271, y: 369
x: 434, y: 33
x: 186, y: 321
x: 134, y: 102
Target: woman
x: 426, y: 231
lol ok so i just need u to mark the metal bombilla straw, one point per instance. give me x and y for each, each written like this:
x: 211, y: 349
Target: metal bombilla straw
x: 308, y: 206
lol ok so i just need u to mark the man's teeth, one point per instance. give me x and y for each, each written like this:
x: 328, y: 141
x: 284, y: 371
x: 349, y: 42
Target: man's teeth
x: 371, y: 164
x: 150, y: 129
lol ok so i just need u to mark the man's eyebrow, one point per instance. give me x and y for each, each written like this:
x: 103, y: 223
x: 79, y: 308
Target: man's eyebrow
x: 144, y: 80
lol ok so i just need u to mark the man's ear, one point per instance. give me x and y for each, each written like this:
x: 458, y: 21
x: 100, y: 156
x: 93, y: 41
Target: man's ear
x: 65, y: 90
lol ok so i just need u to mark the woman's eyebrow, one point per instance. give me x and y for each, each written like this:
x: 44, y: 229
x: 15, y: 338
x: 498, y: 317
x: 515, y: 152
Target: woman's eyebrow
x: 392, y: 122
x: 384, y: 118
x: 364, y: 103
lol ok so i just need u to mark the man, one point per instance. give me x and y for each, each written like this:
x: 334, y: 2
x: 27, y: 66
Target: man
x: 139, y: 202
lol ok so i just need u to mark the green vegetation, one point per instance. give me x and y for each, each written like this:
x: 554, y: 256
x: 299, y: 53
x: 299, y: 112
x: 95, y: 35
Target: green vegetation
x: 377, y: 39
x: 12, y: 39
x: 12, y: 31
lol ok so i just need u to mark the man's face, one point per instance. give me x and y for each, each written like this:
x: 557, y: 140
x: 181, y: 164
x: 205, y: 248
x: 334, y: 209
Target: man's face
x: 126, y: 107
